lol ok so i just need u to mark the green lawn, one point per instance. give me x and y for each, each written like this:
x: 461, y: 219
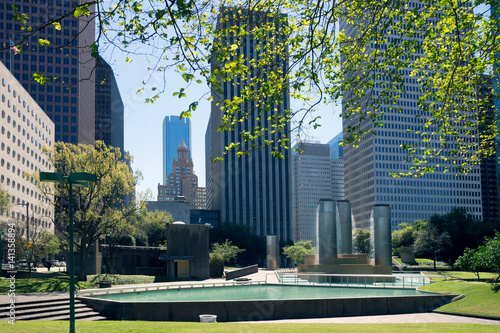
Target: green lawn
x: 461, y: 275
x: 141, y: 326
x: 481, y: 298
x: 59, y: 283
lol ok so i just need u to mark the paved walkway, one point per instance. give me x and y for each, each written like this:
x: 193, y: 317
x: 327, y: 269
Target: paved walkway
x: 268, y: 275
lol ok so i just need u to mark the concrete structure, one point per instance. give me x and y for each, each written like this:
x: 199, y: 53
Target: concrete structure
x: 182, y: 181
x: 252, y: 190
x: 109, y: 121
x: 327, y: 230
x: 187, y: 251
x: 133, y: 260
x: 25, y: 130
x: 344, y: 227
x: 179, y: 209
x: 315, y: 176
x: 367, y: 167
x: 69, y: 97
x: 273, y: 252
x: 328, y: 261
x: 382, y: 235
x: 257, y: 310
x: 174, y: 131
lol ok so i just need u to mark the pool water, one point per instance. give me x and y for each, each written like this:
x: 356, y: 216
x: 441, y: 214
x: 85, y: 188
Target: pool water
x: 256, y: 292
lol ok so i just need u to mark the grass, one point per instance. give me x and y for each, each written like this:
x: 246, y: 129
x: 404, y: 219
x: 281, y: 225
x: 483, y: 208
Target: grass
x: 481, y: 298
x: 461, y: 275
x: 118, y: 279
x: 58, y: 283
x: 142, y: 326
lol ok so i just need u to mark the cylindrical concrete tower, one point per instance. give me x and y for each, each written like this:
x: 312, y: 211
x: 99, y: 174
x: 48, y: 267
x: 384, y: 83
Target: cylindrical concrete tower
x: 382, y: 235
x: 327, y: 230
x: 344, y: 220
x: 273, y: 251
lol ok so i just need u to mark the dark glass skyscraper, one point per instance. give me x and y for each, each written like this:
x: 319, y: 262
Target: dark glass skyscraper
x: 174, y: 131
x: 69, y: 97
x: 109, y: 123
x: 252, y: 190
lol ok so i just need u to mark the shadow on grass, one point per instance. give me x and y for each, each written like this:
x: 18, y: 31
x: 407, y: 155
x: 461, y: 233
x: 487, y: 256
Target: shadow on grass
x: 495, y: 287
x: 23, y: 286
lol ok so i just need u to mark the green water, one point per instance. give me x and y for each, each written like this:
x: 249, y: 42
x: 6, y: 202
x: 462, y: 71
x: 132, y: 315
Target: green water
x: 256, y: 292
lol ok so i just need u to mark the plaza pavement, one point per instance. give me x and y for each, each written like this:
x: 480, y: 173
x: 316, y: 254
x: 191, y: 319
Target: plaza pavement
x: 269, y: 276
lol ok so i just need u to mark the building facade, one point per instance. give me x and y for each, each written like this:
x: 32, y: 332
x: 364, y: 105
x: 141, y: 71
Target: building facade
x: 25, y: 130
x: 69, y: 97
x: 182, y: 181
x: 174, y: 130
x: 252, y: 190
x: 109, y: 109
x: 315, y: 176
x: 367, y: 167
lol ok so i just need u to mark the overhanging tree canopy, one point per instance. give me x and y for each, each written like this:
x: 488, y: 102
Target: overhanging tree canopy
x: 447, y: 46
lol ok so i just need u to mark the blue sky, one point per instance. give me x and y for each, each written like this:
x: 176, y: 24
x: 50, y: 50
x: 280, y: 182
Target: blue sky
x: 143, y: 122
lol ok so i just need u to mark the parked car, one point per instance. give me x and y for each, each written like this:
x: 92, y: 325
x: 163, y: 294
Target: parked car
x: 24, y: 264
x: 55, y: 263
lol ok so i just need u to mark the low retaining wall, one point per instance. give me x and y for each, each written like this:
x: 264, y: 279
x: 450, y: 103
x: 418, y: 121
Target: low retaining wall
x: 268, y: 309
x: 241, y: 272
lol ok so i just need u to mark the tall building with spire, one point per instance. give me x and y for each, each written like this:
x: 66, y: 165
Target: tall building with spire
x: 252, y: 190
x: 175, y: 129
x: 69, y: 97
x: 182, y: 181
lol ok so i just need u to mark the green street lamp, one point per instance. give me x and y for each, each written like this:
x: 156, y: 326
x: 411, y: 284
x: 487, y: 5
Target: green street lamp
x: 81, y: 179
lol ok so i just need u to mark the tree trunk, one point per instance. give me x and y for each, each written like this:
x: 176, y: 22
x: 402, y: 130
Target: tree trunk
x: 82, y: 276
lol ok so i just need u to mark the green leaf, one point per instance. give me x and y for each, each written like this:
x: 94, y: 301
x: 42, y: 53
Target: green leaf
x: 38, y: 77
x: 43, y: 42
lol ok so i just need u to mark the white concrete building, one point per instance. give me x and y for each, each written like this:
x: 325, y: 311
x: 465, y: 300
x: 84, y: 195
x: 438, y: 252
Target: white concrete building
x: 367, y: 167
x: 315, y: 176
x: 25, y: 130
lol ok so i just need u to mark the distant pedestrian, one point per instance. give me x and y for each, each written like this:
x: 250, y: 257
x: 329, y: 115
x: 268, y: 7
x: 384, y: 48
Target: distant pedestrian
x: 48, y: 265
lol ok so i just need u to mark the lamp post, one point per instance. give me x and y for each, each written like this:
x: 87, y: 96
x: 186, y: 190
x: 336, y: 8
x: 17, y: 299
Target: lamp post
x: 1, y: 250
x: 27, y: 245
x: 81, y: 179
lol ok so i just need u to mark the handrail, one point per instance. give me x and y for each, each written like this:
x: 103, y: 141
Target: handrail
x: 133, y: 289
x: 363, y: 280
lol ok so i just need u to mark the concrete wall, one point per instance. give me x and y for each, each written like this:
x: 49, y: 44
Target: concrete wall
x: 242, y: 272
x: 267, y: 310
x: 186, y: 240
x: 180, y: 210
x: 130, y: 260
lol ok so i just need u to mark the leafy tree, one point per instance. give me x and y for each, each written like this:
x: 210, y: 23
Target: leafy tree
x: 464, y: 231
x: 4, y: 200
x: 201, y: 41
x: 490, y: 253
x: 298, y: 251
x: 362, y: 241
x: 403, y: 237
x: 221, y: 254
x: 45, y: 244
x: 154, y: 224
x: 98, y: 209
x: 431, y: 242
x: 470, y: 261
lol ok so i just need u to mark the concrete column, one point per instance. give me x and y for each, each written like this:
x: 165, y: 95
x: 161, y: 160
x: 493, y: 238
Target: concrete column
x: 327, y: 230
x: 344, y: 222
x: 382, y: 235
x: 273, y: 251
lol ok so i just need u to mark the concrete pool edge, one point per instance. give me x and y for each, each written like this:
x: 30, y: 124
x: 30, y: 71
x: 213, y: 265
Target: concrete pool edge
x: 267, y: 309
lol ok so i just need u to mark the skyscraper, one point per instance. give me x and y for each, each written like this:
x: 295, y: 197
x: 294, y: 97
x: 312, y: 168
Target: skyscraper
x: 182, y: 181
x: 252, y: 190
x: 69, y: 97
x: 109, y: 122
x: 174, y: 130
x: 367, y: 167
x: 316, y: 175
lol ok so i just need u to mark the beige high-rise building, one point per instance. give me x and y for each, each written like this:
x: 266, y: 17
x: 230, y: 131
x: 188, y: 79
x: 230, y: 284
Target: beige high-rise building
x: 25, y: 130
